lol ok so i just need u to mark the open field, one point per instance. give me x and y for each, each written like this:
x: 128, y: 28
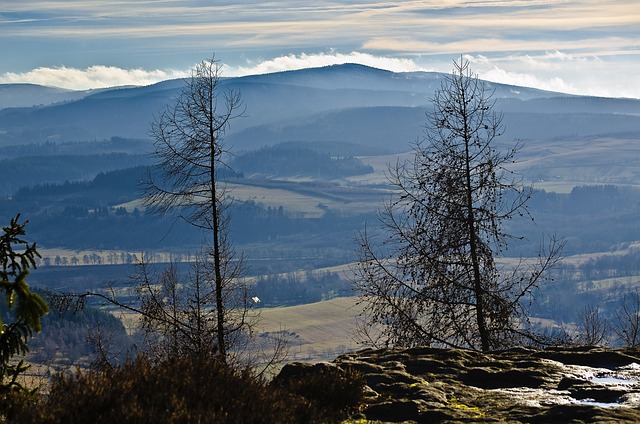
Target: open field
x: 319, y: 330
x: 613, y: 285
x: 305, y: 205
x: 552, y: 165
x: 561, y: 165
x: 108, y: 256
x: 380, y: 165
x: 308, y: 200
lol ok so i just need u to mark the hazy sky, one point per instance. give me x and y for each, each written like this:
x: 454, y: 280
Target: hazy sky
x: 581, y: 46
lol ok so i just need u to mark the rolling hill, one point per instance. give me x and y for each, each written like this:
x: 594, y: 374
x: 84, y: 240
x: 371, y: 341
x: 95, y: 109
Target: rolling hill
x: 349, y: 103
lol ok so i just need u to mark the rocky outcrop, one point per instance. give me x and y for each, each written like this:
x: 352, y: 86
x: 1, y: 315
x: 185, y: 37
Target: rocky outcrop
x: 579, y: 384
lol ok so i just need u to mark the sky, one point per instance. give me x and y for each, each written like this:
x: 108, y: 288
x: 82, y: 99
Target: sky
x: 589, y: 47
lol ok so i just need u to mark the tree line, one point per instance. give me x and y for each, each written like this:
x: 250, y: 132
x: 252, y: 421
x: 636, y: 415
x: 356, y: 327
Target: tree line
x: 286, y: 160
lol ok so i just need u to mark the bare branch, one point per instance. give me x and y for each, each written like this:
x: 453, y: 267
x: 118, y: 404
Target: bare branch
x: 434, y: 278
x: 187, y: 179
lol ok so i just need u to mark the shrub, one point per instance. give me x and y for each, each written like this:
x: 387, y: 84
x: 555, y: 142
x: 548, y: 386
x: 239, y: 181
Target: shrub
x: 191, y: 389
x: 333, y: 393
x: 178, y: 390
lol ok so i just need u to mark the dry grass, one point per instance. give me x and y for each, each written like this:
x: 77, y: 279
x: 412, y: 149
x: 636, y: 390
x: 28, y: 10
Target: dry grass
x: 553, y: 165
x: 318, y: 331
x: 275, y: 197
x: 561, y: 165
x: 184, y: 389
x: 321, y: 330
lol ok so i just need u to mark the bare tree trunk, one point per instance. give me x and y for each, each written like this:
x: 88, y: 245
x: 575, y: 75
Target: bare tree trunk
x: 217, y: 264
x: 471, y: 224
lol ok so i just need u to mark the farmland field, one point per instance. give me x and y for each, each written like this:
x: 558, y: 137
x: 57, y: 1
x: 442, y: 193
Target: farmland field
x: 318, y: 331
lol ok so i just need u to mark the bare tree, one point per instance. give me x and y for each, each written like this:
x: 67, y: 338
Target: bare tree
x: 627, y: 322
x: 178, y: 310
x: 593, y: 328
x: 208, y: 309
x: 189, y: 146
x: 435, y: 278
x: 177, y: 317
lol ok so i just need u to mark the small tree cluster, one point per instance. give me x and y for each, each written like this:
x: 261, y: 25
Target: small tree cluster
x: 593, y: 328
x: 627, y: 322
x: 178, y: 310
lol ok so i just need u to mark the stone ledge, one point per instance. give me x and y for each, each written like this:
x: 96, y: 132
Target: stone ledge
x: 518, y: 385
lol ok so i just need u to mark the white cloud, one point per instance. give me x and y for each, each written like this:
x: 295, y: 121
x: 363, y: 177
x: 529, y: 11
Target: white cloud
x: 528, y: 80
x: 292, y: 62
x: 93, y: 77
x: 555, y: 70
x: 563, y: 72
x: 109, y: 76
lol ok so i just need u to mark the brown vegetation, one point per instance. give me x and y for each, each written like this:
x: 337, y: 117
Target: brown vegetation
x: 188, y: 389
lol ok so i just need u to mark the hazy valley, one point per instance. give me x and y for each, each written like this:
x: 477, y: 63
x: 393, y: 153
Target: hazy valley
x: 310, y: 156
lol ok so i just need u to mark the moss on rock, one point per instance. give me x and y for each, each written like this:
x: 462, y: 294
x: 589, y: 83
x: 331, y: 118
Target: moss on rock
x: 518, y: 385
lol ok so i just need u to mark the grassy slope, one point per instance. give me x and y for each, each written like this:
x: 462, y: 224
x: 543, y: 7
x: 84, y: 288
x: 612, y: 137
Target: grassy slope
x: 319, y: 330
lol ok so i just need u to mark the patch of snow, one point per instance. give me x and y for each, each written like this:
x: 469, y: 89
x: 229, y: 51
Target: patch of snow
x: 592, y: 402
x: 631, y: 367
x: 625, y: 378
x: 611, y: 380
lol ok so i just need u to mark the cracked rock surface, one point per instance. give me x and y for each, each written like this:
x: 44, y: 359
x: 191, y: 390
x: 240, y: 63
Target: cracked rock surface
x: 565, y: 384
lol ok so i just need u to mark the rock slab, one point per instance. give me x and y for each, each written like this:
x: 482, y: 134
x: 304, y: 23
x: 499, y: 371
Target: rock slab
x: 563, y: 384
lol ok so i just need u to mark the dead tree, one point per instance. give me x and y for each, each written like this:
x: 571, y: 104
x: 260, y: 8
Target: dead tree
x: 187, y: 178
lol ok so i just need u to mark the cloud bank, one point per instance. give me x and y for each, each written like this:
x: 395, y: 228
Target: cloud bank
x: 302, y: 61
x: 92, y: 77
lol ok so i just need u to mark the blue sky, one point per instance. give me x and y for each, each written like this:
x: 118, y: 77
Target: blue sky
x: 581, y: 46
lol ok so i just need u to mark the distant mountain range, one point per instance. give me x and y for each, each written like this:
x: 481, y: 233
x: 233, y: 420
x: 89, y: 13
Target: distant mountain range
x: 348, y: 103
